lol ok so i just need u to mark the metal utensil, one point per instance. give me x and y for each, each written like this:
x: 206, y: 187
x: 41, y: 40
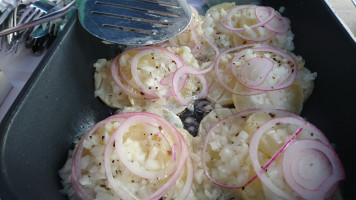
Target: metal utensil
x: 42, y: 38
x: 130, y: 22
x: 34, y: 11
x: 7, y: 8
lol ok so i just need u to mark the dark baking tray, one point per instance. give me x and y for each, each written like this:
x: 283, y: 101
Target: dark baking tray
x: 57, y: 104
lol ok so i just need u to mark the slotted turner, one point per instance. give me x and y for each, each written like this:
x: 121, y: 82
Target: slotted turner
x: 130, y: 22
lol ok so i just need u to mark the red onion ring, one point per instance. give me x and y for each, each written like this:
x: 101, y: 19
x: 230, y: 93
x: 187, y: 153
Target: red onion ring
x: 116, y: 75
x: 121, y: 68
x: 182, y: 156
x: 122, y: 153
x: 255, y: 88
x: 134, y: 71
x: 75, y: 168
x: 292, y: 73
x: 266, y: 16
x: 176, y: 89
x: 253, y: 148
x: 277, y: 25
x: 189, y: 180
x: 264, y: 10
x: 311, y: 168
x: 220, y: 76
x: 275, y: 112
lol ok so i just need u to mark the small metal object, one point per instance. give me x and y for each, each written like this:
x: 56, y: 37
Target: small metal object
x: 35, y: 11
x: 354, y: 1
x: 7, y: 9
x: 41, y: 39
x: 32, y: 12
x: 130, y: 22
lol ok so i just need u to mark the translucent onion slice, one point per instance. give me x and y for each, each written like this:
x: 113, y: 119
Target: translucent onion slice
x: 255, y: 86
x: 311, y: 168
x: 277, y: 24
x: 152, y: 50
x: 179, y: 76
x: 76, y: 173
x: 302, y: 125
x: 268, y: 14
x: 289, y: 78
x: 122, y: 84
x: 222, y: 77
x: 159, y: 123
x: 181, y: 150
x: 255, y: 71
x: 226, y: 122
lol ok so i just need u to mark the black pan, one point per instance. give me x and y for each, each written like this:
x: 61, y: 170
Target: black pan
x: 57, y: 104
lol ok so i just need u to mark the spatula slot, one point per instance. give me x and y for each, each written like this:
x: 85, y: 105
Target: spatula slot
x: 158, y: 3
x: 130, y: 18
x: 135, y: 22
x: 128, y: 29
x: 153, y: 8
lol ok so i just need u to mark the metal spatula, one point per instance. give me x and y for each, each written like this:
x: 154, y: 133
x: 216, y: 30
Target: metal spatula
x: 130, y: 22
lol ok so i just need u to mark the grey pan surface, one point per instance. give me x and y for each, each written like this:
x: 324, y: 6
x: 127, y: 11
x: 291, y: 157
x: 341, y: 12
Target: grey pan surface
x: 58, y: 105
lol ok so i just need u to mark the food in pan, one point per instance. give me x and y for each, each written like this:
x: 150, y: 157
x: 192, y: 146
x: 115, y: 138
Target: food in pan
x: 144, y: 75
x: 249, y: 141
x: 253, y: 154
x: 245, y: 155
x: 133, y: 155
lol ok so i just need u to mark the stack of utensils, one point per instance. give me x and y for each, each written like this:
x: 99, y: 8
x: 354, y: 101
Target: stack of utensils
x: 37, y: 38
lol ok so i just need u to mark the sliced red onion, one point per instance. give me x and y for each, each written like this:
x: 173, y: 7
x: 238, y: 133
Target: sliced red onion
x: 165, y: 81
x: 225, y: 122
x: 182, y: 155
x: 255, y: 86
x: 127, y: 89
x: 189, y: 180
x: 122, y: 153
x: 77, y: 155
x: 277, y: 25
x: 177, y: 77
x: 220, y: 76
x: 205, y: 146
x: 266, y: 12
x: 119, y: 188
x: 157, y: 50
x: 292, y: 72
x: 311, y: 130
x: 253, y: 149
x: 311, y: 168
x: 121, y: 68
